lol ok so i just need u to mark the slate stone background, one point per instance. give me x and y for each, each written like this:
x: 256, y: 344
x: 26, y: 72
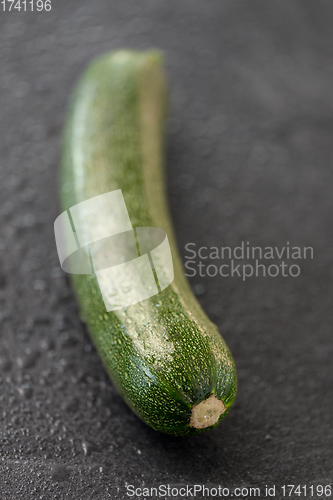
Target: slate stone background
x: 249, y: 158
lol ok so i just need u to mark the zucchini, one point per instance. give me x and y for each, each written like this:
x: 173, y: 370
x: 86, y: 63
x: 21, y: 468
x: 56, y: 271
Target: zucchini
x: 164, y: 356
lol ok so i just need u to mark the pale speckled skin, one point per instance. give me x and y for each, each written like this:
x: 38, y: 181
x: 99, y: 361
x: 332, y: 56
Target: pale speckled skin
x: 163, y: 354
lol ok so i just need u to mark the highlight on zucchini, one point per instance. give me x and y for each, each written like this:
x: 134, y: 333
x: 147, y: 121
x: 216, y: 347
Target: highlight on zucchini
x: 163, y: 354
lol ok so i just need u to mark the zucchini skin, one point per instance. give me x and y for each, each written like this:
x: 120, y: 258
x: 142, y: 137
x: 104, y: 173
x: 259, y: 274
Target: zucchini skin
x: 162, y: 354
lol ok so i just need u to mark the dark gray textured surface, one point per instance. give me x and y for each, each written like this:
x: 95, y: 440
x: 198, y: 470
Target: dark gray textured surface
x: 249, y: 158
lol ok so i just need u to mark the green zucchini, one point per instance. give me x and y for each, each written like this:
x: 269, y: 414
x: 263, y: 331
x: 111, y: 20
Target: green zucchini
x: 164, y: 356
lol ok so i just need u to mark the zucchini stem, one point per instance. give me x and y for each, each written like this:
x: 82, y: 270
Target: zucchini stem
x: 207, y: 412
